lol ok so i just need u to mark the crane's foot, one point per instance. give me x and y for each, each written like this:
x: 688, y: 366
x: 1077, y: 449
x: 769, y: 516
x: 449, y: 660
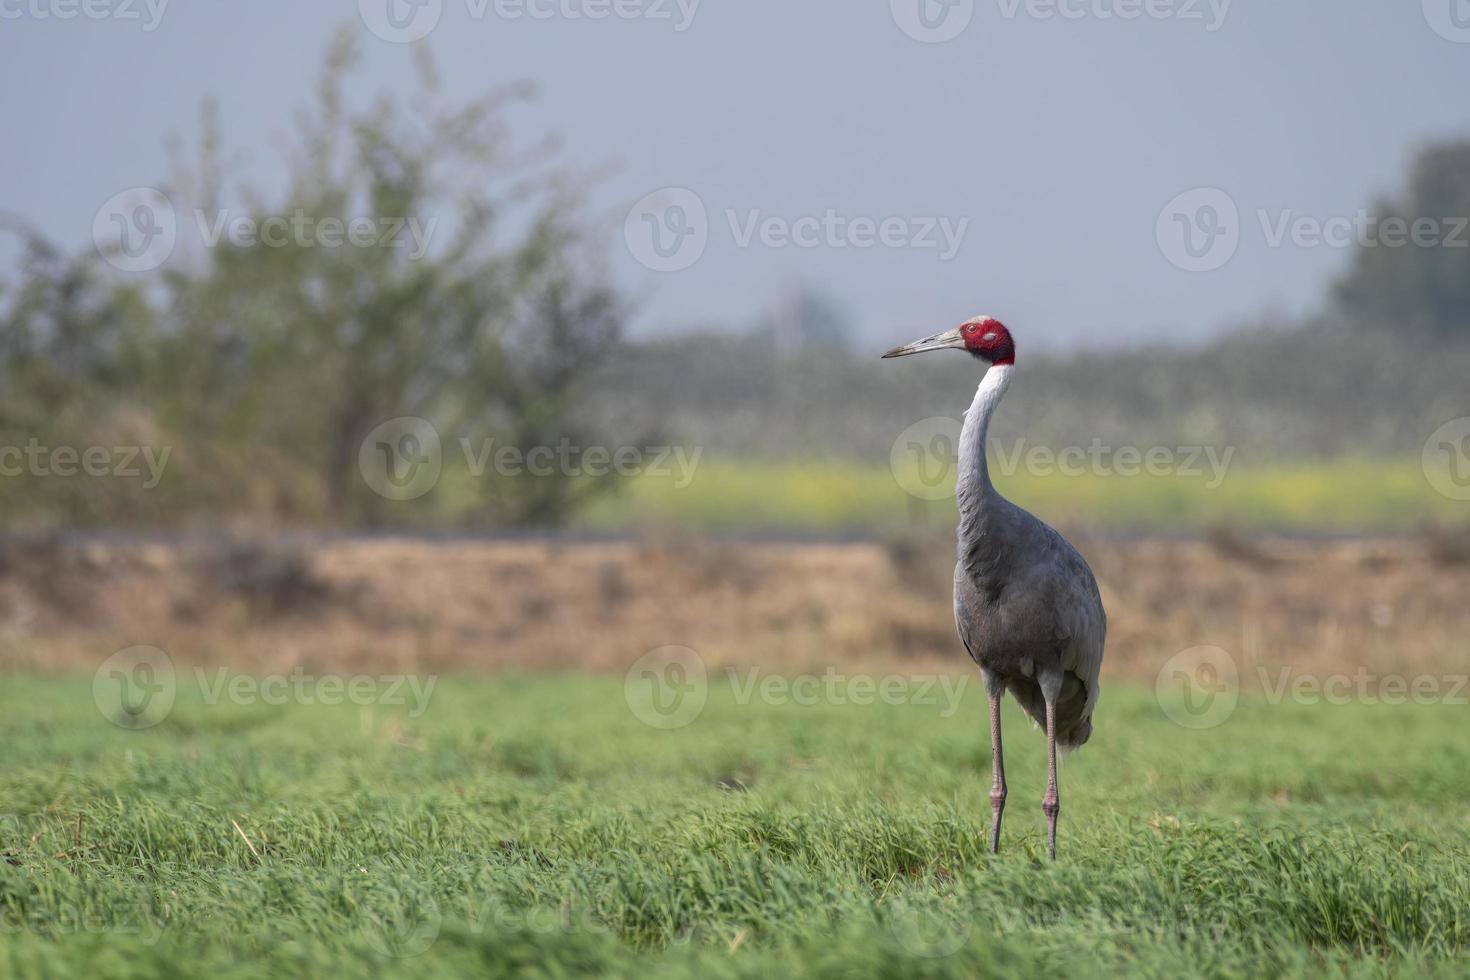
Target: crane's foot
x: 1052, y: 807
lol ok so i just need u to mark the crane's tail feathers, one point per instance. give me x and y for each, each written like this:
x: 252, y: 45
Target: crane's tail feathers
x: 1074, y: 715
x: 1074, y: 738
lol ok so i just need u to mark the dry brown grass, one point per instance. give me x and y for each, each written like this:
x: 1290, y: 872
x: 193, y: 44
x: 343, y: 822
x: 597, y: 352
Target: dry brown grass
x: 469, y: 606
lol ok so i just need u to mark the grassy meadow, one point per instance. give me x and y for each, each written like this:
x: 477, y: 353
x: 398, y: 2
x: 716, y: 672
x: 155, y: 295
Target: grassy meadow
x: 534, y: 824
x: 519, y: 806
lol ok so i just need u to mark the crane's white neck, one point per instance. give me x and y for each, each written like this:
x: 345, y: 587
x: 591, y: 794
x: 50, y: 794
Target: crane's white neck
x: 974, y: 485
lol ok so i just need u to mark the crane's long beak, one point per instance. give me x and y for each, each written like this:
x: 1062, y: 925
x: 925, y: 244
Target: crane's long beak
x: 940, y: 341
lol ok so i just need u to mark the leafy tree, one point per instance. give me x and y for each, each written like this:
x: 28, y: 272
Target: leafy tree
x: 1423, y: 286
x: 70, y: 340
x: 276, y: 337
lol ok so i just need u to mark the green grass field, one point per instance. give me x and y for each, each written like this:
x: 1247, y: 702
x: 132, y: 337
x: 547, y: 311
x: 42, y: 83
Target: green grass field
x: 1359, y: 495
x: 534, y: 824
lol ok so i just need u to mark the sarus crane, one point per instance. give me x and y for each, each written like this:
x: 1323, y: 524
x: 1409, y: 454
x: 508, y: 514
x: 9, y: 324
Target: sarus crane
x: 1025, y: 602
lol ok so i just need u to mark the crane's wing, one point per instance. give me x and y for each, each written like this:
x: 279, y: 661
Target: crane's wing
x: 1081, y: 622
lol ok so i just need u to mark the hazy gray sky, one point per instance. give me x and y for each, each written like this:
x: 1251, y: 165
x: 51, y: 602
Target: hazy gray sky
x: 1047, y: 137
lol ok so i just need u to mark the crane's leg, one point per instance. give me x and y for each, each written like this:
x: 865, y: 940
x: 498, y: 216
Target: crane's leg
x: 1050, y: 682
x: 1051, y: 803
x: 994, y: 689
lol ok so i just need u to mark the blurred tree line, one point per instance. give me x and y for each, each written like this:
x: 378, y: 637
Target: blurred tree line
x: 263, y: 365
x: 260, y: 367
x: 1373, y: 374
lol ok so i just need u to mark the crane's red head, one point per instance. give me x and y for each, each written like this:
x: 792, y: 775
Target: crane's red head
x: 984, y: 336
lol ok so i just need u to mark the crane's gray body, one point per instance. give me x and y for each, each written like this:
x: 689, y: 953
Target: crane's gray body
x: 1026, y: 604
